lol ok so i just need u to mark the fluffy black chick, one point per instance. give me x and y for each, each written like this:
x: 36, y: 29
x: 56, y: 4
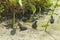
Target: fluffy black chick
x: 34, y: 24
x: 51, y: 20
x: 24, y: 19
x: 22, y: 27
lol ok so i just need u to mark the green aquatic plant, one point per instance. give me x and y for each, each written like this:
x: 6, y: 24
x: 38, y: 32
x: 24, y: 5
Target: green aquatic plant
x: 52, y: 13
x: 1, y: 10
x: 24, y: 8
x: 46, y: 25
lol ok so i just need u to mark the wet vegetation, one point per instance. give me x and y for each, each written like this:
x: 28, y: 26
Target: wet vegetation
x: 26, y: 10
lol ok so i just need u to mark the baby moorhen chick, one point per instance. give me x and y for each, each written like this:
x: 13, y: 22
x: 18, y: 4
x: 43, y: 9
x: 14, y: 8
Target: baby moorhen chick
x: 22, y: 27
x: 24, y: 19
x: 51, y: 20
x: 34, y: 24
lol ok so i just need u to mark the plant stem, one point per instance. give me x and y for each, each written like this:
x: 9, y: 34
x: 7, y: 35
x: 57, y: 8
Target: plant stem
x: 13, y: 21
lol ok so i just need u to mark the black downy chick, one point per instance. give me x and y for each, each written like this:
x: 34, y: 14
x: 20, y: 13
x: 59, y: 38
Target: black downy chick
x: 22, y: 28
x: 51, y: 20
x: 34, y: 24
x: 24, y: 19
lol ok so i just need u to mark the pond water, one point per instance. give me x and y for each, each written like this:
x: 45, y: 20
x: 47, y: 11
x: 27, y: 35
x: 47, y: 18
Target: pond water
x: 53, y: 30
